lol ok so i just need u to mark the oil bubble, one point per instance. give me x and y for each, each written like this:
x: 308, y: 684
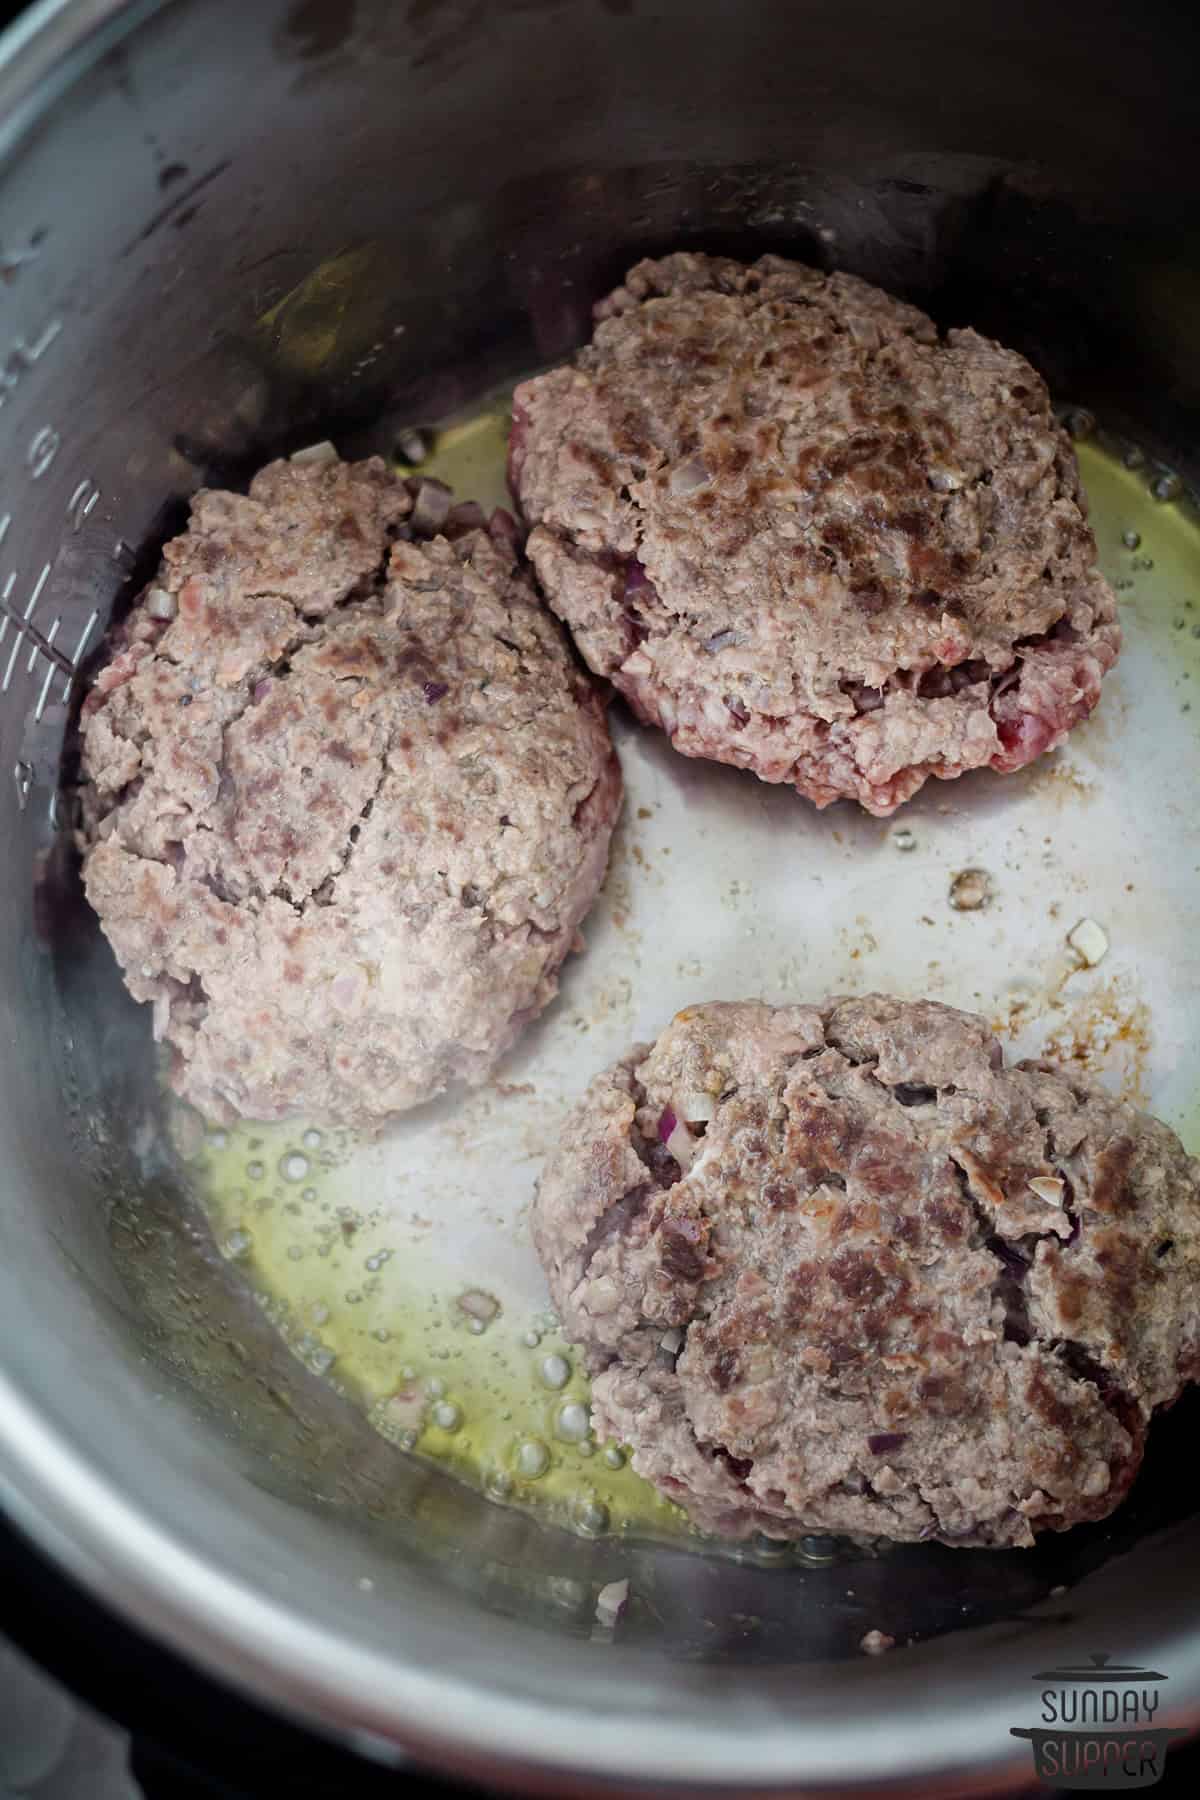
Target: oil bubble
x: 323, y: 1361
x: 573, y: 1423
x: 614, y: 1457
x: 239, y: 1242
x: 590, y: 1517
x: 435, y: 1387
x: 555, y: 1371
x: 414, y: 445
x: 294, y: 1252
x: 309, y: 1193
x: 1131, y: 539
x: 532, y: 1339
x: 1166, y: 486
x: 407, y: 1439
x: 293, y: 1166
x: 447, y: 1416
x: 256, y: 1170
x: 218, y: 1139
x: 500, y: 1484
x: 903, y: 838
x: 816, y: 1551
x: 311, y: 1139
x: 533, y: 1459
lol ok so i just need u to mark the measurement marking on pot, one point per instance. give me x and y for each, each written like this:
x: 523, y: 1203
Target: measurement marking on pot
x: 22, y: 357
x: 40, y: 649
x: 81, y: 503
x: 43, y: 448
x: 44, y: 696
x: 25, y: 628
x: 11, y: 261
x: 21, y: 624
x: 81, y: 646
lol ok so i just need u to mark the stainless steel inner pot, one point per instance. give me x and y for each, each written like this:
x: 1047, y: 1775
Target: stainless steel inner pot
x: 226, y: 229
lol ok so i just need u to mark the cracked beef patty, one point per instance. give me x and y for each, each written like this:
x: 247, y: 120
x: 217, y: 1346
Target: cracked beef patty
x: 346, y: 796
x: 836, y: 1268
x: 806, y: 535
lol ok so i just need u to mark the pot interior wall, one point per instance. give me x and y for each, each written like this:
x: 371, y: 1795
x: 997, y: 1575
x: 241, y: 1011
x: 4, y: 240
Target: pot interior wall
x: 225, y: 230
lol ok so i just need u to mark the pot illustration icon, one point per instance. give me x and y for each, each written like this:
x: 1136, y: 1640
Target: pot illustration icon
x: 1097, y: 1727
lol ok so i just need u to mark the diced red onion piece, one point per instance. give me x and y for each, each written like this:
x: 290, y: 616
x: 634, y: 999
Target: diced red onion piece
x: 611, y: 1602
x: 434, y: 691
x: 636, y: 577
x: 324, y: 452
x: 1024, y: 738
x: 468, y: 515
x: 161, y: 603
x: 687, y: 476
x: 666, y: 1125
x: 682, y: 1145
x: 881, y: 1442
x: 432, y: 502
x: 503, y: 525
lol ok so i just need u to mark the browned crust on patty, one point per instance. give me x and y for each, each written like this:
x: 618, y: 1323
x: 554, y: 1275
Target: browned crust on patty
x: 346, y: 798
x: 837, y: 1303
x: 805, y: 535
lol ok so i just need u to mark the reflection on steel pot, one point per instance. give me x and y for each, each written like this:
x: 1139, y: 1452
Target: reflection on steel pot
x: 229, y: 231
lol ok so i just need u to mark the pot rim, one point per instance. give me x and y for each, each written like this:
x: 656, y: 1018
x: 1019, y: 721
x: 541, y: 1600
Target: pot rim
x: 382, y: 1706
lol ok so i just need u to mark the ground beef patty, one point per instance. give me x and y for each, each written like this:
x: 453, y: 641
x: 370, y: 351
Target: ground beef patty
x: 807, y: 536
x: 347, y: 797
x: 837, y: 1269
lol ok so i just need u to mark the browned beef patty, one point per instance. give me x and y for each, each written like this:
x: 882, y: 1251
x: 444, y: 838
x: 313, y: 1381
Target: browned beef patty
x: 804, y: 534
x: 346, y: 797
x: 836, y: 1268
